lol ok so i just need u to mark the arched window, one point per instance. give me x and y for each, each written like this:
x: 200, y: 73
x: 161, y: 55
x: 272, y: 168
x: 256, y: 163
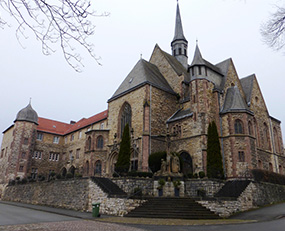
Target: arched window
x: 270, y: 167
x: 276, y: 140
x: 126, y: 117
x: 100, y: 142
x: 259, y: 164
x: 98, y: 168
x: 250, y: 128
x: 266, y: 136
x: 134, y: 161
x: 238, y: 127
x: 89, y: 143
x: 87, y: 167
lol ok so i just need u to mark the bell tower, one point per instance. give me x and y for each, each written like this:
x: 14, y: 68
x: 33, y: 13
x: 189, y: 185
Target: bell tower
x: 179, y: 44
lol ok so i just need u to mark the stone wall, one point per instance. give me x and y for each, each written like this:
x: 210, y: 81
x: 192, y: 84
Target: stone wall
x: 255, y: 195
x: 209, y: 186
x: 129, y: 184
x: 77, y: 194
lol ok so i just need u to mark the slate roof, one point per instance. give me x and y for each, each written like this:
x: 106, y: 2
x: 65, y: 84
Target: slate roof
x: 178, y: 34
x: 60, y: 128
x: 234, y: 101
x: 27, y: 114
x: 180, y: 114
x: 143, y: 73
x: 247, y: 85
x: 224, y: 67
x: 199, y: 61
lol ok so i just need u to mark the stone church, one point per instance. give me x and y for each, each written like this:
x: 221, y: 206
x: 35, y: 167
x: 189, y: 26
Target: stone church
x: 167, y: 94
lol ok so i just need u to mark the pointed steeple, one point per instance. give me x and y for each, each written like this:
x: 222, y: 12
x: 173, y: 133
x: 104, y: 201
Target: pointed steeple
x: 179, y: 44
x: 198, y: 60
x: 179, y: 35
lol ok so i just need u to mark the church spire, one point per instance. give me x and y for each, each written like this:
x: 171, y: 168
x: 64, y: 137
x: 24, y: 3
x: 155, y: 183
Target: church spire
x: 179, y: 44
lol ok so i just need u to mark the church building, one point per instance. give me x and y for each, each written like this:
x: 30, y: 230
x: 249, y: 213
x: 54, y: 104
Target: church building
x: 167, y: 94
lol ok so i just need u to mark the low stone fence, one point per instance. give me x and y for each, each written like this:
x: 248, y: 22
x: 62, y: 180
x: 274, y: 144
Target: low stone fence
x: 77, y: 194
x: 255, y: 195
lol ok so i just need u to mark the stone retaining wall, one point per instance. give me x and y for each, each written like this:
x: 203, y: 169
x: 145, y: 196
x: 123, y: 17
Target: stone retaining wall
x: 129, y: 184
x: 255, y: 195
x: 77, y: 194
x: 209, y: 186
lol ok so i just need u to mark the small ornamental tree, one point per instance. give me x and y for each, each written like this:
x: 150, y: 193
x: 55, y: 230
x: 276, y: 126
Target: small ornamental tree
x: 214, y: 156
x: 123, y: 162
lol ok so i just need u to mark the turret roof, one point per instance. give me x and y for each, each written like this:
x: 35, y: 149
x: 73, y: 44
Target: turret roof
x: 27, y: 114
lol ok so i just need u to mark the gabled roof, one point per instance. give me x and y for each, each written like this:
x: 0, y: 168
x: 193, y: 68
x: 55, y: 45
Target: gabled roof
x: 247, y: 85
x: 143, y: 73
x: 86, y: 122
x: 60, y: 128
x: 178, y: 35
x: 52, y: 126
x: 199, y: 61
x: 234, y: 101
x: 224, y: 68
x: 180, y: 114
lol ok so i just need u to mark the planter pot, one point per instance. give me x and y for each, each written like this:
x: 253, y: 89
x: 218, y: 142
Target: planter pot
x: 177, y: 192
x: 160, y: 192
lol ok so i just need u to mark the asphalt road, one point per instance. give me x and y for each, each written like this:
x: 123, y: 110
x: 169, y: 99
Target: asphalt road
x: 13, y: 215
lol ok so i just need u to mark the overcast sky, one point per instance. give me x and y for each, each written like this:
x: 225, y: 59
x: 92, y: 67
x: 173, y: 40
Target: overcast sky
x: 224, y: 29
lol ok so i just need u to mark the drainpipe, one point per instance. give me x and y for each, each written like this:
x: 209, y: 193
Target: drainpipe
x: 222, y: 139
x: 150, y: 95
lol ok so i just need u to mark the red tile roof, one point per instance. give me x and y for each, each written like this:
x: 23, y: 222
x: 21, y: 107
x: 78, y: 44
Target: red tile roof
x: 60, y: 128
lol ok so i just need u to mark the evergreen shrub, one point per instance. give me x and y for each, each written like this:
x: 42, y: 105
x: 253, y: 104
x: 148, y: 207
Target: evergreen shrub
x: 260, y: 175
x: 123, y: 162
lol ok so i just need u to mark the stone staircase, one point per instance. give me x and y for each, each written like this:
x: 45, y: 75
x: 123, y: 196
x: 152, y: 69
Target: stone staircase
x: 232, y: 189
x: 109, y: 187
x: 170, y: 207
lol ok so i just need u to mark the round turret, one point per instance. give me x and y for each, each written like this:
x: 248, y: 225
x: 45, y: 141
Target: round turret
x: 27, y: 114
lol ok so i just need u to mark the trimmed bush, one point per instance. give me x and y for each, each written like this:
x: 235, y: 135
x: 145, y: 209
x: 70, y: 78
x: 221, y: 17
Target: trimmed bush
x: 214, y: 156
x: 267, y: 176
x: 123, y: 162
x: 154, y: 160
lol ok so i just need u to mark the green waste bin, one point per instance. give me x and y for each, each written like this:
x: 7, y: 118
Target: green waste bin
x: 95, y: 209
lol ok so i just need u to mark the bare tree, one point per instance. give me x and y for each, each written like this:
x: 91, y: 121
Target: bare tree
x: 66, y: 22
x: 273, y: 31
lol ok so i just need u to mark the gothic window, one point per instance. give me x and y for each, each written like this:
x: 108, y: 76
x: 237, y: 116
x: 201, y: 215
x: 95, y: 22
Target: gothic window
x: 206, y: 72
x: 200, y: 70
x: 238, y: 127
x: 276, y: 140
x: 192, y: 69
x: 89, y: 142
x: 266, y: 136
x: 185, y: 52
x: 259, y: 164
x: 100, y: 142
x: 98, y: 168
x: 280, y: 169
x: 87, y: 167
x: 174, y: 52
x: 134, y: 161
x: 270, y: 167
x: 126, y: 117
x: 180, y: 51
x: 249, y: 128
x: 241, y: 156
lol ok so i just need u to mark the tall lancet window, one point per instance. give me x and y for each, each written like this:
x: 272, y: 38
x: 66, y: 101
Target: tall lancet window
x: 126, y: 116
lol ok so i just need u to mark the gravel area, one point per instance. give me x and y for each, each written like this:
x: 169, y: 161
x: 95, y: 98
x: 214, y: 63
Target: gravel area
x: 82, y: 225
